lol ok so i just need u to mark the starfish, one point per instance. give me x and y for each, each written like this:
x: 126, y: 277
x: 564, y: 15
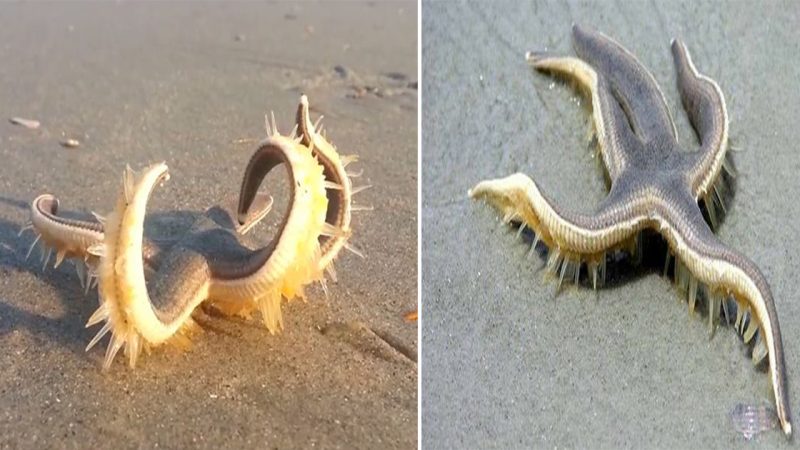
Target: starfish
x: 212, y: 264
x: 655, y: 184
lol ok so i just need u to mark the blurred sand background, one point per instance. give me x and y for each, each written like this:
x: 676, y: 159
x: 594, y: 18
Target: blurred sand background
x: 189, y: 84
x: 505, y: 364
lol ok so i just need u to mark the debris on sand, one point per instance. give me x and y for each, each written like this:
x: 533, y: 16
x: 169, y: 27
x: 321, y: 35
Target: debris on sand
x: 27, y: 123
x: 750, y: 420
x: 70, y: 143
x: 342, y: 71
x: 396, y: 76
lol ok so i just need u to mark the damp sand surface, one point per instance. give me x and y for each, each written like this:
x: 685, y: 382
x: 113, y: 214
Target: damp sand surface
x: 506, y: 362
x: 189, y: 85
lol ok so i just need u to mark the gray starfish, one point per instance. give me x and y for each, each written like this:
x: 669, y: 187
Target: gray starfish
x: 654, y: 185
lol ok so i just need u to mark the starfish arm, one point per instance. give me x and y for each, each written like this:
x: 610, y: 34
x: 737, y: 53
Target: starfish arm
x: 704, y: 103
x: 129, y: 313
x: 724, y: 270
x: 261, y: 207
x: 517, y: 196
x: 613, y: 131
x: 75, y: 237
x: 631, y: 82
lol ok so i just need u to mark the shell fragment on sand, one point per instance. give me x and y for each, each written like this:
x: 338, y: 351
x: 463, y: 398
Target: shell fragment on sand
x: 750, y: 420
x: 69, y: 143
x: 30, y: 124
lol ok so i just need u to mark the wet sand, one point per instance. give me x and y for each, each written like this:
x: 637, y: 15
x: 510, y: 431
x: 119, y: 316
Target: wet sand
x: 189, y: 85
x: 505, y: 362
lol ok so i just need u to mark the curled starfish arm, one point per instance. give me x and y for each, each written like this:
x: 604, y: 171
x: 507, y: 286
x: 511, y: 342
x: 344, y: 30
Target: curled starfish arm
x: 611, y: 126
x: 125, y: 307
x: 339, y: 187
x: 520, y: 199
x: 75, y: 238
x: 291, y: 259
x: 726, y: 272
x: 135, y: 317
x: 632, y: 84
x: 260, y: 207
x: 68, y: 237
x: 705, y: 105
